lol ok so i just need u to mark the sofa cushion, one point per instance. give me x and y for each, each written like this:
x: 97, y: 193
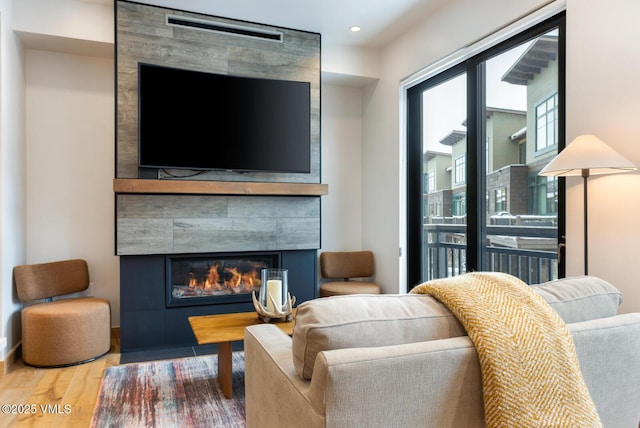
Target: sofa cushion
x: 354, y: 321
x: 581, y: 298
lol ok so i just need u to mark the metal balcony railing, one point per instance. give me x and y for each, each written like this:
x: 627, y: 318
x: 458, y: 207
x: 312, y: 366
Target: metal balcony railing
x: 527, y: 252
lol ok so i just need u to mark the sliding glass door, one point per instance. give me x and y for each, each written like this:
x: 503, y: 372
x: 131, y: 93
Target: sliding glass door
x: 478, y: 134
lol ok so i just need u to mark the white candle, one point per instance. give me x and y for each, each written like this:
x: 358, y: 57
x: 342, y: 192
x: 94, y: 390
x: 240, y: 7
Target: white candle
x: 274, y: 289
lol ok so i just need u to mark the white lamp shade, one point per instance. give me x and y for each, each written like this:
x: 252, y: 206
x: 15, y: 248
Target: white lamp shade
x: 590, y: 153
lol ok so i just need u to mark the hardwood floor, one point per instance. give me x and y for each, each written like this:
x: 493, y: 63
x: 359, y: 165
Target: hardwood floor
x: 60, y: 397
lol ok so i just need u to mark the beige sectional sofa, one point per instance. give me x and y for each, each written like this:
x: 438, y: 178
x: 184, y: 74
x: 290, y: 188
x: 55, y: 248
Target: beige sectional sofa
x: 405, y: 361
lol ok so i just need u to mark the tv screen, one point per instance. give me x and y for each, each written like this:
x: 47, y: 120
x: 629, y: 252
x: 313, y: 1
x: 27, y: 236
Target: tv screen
x: 204, y: 121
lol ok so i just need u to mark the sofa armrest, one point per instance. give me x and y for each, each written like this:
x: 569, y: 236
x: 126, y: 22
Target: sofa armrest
x: 274, y: 394
x: 433, y: 384
x: 609, y: 354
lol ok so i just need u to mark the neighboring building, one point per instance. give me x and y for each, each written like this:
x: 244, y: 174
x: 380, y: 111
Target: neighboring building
x: 519, y: 144
x: 537, y: 69
x: 506, y: 173
x: 457, y: 140
x: 502, y: 152
x: 437, y: 185
x: 501, y: 149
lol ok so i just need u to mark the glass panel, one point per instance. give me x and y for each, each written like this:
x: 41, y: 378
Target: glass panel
x: 522, y: 136
x: 475, y: 198
x: 444, y: 165
x: 215, y: 278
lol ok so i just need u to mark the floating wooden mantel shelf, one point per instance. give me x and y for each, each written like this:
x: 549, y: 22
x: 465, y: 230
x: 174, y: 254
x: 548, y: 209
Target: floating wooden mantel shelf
x: 195, y: 187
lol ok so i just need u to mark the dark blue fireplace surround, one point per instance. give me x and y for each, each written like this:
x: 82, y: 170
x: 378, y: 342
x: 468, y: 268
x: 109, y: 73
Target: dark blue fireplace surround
x: 148, y: 324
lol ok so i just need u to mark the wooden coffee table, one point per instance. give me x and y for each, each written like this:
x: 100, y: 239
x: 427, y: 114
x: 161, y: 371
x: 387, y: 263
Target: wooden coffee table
x: 223, y: 329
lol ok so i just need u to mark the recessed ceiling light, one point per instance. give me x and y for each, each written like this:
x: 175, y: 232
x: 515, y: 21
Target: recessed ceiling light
x: 354, y: 28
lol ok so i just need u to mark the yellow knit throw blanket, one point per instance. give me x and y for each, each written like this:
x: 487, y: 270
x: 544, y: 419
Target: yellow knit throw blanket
x: 530, y: 371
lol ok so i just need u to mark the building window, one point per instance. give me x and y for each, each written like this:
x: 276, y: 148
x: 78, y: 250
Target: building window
x: 552, y: 195
x: 430, y: 181
x: 501, y: 199
x: 435, y: 209
x: 544, y: 194
x: 459, y: 171
x: 547, y: 124
x: 522, y: 153
x: 459, y: 207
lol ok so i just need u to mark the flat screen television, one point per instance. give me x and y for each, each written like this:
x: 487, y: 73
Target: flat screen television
x: 205, y: 121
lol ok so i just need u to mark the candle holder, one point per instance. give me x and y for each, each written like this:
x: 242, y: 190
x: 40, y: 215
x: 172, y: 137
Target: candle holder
x: 274, y: 303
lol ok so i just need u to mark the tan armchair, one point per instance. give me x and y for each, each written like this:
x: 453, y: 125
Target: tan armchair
x: 350, y: 271
x: 66, y: 331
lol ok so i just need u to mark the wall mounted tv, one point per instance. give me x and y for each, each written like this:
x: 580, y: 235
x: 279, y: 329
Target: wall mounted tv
x: 204, y: 121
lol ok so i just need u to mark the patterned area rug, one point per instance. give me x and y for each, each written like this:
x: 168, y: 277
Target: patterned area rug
x: 172, y: 393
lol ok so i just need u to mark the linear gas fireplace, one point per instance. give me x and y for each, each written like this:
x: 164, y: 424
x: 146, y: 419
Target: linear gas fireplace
x: 215, y: 278
x: 160, y: 292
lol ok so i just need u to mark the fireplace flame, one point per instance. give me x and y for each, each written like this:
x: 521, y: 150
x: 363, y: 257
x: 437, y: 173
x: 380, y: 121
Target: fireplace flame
x: 213, y: 278
x: 242, y: 278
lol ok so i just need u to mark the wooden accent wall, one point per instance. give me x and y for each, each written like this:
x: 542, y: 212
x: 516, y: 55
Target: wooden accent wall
x: 150, y: 222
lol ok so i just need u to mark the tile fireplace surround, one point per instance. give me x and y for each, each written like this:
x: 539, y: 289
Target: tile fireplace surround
x: 153, y: 229
x: 160, y: 214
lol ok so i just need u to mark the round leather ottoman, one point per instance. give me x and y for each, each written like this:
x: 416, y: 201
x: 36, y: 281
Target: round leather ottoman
x: 86, y: 326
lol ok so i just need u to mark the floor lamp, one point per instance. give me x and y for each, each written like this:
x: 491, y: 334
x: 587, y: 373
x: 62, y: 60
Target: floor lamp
x: 584, y: 156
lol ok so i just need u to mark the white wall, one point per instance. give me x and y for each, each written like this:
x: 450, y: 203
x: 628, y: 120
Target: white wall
x: 351, y: 61
x: 341, y: 168
x: 70, y: 164
x: 77, y: 110
x: 603, y: 98
x: 72, y: 19
x: 12, y: 175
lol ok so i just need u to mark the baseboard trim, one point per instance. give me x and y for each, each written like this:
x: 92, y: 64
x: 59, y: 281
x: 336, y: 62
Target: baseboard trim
x: 115, y: 339
x: 10, y: 360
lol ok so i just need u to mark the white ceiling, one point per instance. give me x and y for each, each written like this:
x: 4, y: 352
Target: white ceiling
x: 381, y: 20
